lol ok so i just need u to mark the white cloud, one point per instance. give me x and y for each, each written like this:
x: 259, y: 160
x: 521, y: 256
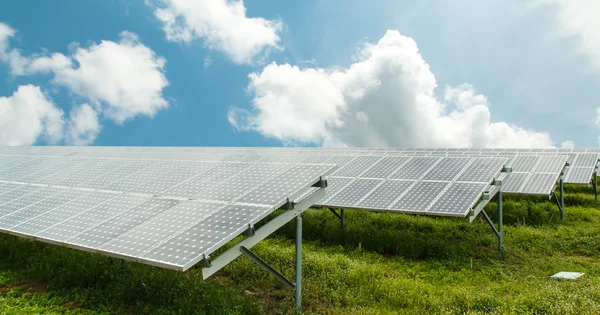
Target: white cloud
x: 222, y: 24
x: 6, y: 33
x: 567, y: 144
x: 28, y: 115
x: 386, y: 98
x: 580, y: 18
x: 83, y: 126
x: 124, y: 79
x: 10, y: 56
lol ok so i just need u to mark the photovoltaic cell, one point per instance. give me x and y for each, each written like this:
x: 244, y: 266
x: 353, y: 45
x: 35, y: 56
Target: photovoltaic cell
x: 385, y: 167
x: 16, y: 192
x: 351, y: 194
x: 129, y: 168
x: 415, y: 168
x: 34, y: 204
x: 103, y: 233
x: 524, y: 163
x: 79, y: 202
x: 539, y: 184
x: 204, y: 236
x: 237, y: 186
x: 515, y: 182
x: 73, y: 226
x: 550, y: 164
x: 334, y: 184
x: 357, y: 166
x: 459, y: 198
x: 420, y: 196
x: 481, y: 170
x: 384, y: 195
x: 286, y: 184
x: 196, y: 186
x: 447, y: 169
x: 578, y: 175
x: 160, y: 228
x: 588, y: 160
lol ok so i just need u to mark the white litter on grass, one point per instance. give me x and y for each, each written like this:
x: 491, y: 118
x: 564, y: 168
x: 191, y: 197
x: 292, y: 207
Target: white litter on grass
x: 567, y: 275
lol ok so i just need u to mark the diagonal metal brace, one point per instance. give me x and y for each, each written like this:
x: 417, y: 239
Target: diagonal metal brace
x: 267, y: 268
x: 489, y: 221
x: 339, y: 216
x: 557, y: 200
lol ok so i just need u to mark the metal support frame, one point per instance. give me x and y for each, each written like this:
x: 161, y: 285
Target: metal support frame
x: 560, y: 201
x: 595, y: 182
x: 339, y: 216
x: 497, y: 231
x: 494, y: 190
x: 293, y: 210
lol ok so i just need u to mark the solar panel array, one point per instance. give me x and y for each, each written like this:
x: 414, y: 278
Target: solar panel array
x: 534, y: 175
x: 361, y: 161
x: 582, y: 162
x: 581, y: 169
x: 165, y: 212
x: 441, y: 186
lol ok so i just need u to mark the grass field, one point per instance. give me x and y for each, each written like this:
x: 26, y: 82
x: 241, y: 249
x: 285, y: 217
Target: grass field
x: 381, y: 264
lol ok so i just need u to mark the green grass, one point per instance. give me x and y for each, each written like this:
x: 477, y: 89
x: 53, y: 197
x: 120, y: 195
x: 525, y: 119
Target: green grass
x: 382, y: 263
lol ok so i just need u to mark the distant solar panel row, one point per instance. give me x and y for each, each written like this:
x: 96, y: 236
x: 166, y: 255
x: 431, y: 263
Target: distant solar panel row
x: 534, y: 175
x: 161, y: 212
x: 445, y: 186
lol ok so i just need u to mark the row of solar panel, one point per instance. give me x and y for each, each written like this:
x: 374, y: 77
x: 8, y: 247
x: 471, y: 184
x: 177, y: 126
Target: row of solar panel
x: 267, y: 150
x: 170, y: 232
x: 44, y: 171
x: 220, y: 181
x: 84, y: 205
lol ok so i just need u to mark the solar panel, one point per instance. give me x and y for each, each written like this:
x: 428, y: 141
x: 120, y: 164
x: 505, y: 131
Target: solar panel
x: 458, y: 198
x: 578, y: 175
x: 588, y: 159
x: 385, y: 194
x: 420, y: 196
x: 384, y: 167
x: 145, y: 204
x: 352, y: 193
x: 415, y: 168
x: 447, y: 169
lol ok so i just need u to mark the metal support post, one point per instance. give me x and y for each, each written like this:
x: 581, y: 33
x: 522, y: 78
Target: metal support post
x: 500, y: 223
x: 298, y: 289
x: 595, y: 182
x: 339, y: 216
x: 562, y: 200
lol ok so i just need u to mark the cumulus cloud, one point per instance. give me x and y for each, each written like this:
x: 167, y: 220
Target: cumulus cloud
x: 83, y: 126
x: 12, y: 57
x: 385, y: 98
x: 222, y: 24
x: 28, y: 115
x: 121, y: 80
x: 579, y: 18
x: 124, y: 79
x: 6, y: 33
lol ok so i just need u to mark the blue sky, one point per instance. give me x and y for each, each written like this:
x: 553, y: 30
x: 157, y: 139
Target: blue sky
x: 356, y: 73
